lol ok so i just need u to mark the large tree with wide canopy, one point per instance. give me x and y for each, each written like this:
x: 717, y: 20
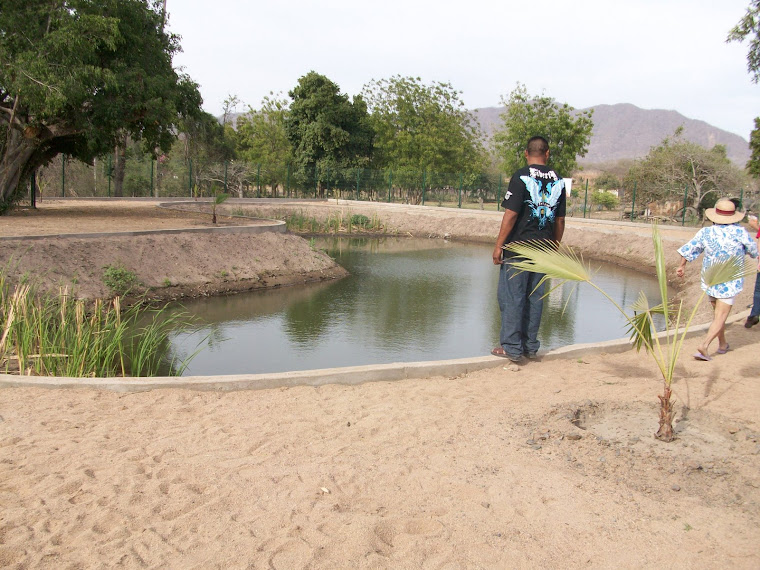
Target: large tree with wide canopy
x: 76, y: 76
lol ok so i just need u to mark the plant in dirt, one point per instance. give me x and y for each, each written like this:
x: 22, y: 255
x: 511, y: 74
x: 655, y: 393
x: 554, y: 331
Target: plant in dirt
x: 218, y: 199
x: 562, y: 264
x: 119, y: 279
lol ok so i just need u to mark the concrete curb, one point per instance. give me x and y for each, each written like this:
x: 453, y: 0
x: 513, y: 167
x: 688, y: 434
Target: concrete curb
x: 351, y: 375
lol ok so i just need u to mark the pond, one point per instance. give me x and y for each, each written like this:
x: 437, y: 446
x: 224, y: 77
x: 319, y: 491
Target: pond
x: 406, y: 300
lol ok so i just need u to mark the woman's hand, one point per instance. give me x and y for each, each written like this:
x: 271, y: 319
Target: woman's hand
x: 680, y: 271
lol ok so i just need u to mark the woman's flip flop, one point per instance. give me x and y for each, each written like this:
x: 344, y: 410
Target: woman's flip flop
x: 699, y: 356
x: 723, y: 350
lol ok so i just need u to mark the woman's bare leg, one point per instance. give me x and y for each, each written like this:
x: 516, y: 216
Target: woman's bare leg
x: 717, y: 327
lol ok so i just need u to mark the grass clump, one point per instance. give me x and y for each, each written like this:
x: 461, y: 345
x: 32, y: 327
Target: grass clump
x: 58, y: 336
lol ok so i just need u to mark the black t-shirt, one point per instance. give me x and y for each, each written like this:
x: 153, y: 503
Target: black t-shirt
x: 537, y: 194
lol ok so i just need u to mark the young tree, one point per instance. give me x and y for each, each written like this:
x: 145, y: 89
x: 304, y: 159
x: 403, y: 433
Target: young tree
x: 262, y: 140
x: 325, y: 128
x: 677, y: 166
x: 76, y: 76
x: 423, y: 127
x: 567, y: 131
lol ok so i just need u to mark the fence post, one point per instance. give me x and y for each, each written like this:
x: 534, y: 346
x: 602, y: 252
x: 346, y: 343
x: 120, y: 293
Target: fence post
x: 225, y: 176
x: 498, y: 196
x: 633, y: 200
x: 33, y: 189
x: 357, y: 183
x: 327, y: 182
x: 424, y: 173
x: 258, y: 181
x: 741, y: 198
x: 287, y: 183
x: 461, y: 176
x: 152, y: 188
x: 390, y: 184
x: 585, y: 199
x: 63, y: 175
x: 683, y: 214
x: 190, y: 176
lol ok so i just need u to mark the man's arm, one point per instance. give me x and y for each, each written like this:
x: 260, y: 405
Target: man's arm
x: 507, y: 223
x: 559, y: 229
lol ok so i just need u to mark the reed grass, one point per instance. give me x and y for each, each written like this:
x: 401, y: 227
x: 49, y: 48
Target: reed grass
x: 57, y: 335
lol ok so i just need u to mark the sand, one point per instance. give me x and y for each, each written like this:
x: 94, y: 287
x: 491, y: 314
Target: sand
x: 548, y: 464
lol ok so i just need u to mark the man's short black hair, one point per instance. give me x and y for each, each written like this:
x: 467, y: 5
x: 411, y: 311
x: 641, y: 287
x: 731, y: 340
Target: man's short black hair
x: 537, y: 146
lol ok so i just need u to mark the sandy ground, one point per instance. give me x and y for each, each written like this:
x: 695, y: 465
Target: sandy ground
x: 548, y: 464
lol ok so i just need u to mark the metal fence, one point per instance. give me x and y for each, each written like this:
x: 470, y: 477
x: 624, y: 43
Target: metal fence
x: 196, y: 179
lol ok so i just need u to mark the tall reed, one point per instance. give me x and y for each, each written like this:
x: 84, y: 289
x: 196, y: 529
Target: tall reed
x: 58, y: 335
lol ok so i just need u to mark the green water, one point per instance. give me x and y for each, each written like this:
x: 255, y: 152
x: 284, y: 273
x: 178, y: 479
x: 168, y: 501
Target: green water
x: 405, y: 300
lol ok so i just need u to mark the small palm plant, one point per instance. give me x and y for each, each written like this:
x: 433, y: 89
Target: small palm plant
x: 563, y: 264
x: 218, y: 199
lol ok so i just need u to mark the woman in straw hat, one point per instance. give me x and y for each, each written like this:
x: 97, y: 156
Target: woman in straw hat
x: 719, y: 242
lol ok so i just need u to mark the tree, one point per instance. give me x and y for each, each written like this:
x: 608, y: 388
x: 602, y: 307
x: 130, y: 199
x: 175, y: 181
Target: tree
x: 677, y: 166
x: 77, y: 76
x: 749, y: 26
x: 262, y: 139
x: 325, y: 128
x: 423, y: 127
x: 753, y: 165
x: 568, y: 131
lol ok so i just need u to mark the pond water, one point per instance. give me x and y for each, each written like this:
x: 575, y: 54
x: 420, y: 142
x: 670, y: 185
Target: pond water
x: 406, y: 300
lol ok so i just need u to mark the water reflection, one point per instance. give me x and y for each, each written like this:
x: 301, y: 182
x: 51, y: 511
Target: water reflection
x: 405, y: 300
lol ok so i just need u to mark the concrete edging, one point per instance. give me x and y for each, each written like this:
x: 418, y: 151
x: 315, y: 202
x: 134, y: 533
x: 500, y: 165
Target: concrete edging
x: 351, y: 375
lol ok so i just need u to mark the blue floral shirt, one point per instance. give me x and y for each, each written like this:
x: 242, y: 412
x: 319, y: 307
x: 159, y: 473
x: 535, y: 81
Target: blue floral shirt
x: 719, y: 243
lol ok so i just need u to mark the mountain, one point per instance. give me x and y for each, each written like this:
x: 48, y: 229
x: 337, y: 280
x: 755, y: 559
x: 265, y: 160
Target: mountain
x: 625, y: 131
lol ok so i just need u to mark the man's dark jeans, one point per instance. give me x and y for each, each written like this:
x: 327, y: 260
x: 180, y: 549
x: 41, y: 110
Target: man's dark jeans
x: 521, y: 309
x: 755, y: 311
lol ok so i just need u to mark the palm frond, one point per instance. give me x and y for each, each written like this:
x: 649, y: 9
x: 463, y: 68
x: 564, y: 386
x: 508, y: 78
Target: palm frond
x: 659, y: 260
x: 545, y: 257
x: 727, y: 270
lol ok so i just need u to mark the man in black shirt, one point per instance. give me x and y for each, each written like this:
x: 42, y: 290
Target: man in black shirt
x: 534, y: 209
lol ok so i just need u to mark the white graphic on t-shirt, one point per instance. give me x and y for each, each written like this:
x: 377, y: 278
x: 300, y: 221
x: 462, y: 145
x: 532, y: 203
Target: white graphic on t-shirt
x: 543, y: 200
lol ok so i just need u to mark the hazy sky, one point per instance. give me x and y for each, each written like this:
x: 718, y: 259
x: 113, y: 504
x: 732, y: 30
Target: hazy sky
x: 656, y: 54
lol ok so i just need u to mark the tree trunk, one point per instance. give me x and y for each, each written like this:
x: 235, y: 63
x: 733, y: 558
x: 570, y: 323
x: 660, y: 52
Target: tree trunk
x: 665, y: 433
x: 15, y: 163
x: 120, y: 156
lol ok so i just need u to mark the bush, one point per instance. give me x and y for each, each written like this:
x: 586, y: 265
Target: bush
x: 119, y: 279
x: 606, y: 200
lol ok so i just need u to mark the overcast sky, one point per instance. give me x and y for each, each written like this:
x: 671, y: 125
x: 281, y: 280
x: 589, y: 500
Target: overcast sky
x: 656, y: 54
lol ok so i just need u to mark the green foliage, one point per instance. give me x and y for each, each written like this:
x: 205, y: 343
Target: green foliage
x: 57, y: 336
x: 261, y: 135
x: 567, y: 131
x: 325, y: 129
x: 423, y: 127
x: 749, y: 27
x: 753, y: 164
x: 360, y: 220
x: 606, y: 200
x: 119, y: 279
x: 607, y: 181
x: 77, y: 76
x: 676, y: 166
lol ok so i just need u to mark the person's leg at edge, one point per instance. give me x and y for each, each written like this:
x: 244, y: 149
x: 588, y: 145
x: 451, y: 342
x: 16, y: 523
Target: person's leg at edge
x: 533, y: 312
x: 754, y: 313
x: 717, y: 327
x: 511, y: 296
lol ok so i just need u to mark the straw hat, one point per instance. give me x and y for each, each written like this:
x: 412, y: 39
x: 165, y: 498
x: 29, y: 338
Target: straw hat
x: 724, y: 212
